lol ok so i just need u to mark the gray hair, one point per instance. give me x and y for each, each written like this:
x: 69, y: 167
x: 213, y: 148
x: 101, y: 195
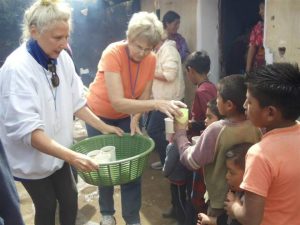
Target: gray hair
x: 44, y: 13
x: 145, y: 25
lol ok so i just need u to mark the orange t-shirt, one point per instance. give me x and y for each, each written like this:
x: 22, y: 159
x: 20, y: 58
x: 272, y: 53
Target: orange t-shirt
x: 115, y: 59
x: 273, y: 171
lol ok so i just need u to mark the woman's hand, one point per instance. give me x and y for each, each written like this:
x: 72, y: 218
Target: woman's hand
x: 83, y: 162
x: 108, y: 129
x: 41, y: 141
x: 90, y: 118
x: 170, y: 108
x: 134, y: 124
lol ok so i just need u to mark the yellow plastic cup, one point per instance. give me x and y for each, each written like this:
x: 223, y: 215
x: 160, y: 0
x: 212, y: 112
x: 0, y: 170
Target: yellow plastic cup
x: 185, y: 116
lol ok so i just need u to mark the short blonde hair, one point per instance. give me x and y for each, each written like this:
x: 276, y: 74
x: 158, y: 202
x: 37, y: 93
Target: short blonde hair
x: 145, y: 25
x: 44, y: 13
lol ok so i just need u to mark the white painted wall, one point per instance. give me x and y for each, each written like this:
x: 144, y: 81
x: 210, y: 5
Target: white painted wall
x: 282, y: 29
x: 188, y: 19
x: 208, y: 34
x: 186, y: 10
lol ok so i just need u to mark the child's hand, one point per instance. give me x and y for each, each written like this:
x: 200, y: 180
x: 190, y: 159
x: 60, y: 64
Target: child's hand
x: 231, y: 202
x: 179, y: 126
x: 230, y: 196
x: 206, y: 220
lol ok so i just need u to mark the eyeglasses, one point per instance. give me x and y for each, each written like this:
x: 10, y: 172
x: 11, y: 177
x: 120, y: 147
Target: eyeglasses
x: 141, y: 49
x: 55, y: 77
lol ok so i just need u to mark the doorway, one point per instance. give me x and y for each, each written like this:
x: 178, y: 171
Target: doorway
x: 236, y: 19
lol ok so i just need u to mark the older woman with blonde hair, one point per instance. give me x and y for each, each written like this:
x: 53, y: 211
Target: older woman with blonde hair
x: 40, y: 93
x: 121, y: 92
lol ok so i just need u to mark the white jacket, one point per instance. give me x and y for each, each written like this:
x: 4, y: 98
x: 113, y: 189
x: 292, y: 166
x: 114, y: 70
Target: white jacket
x: 27, y: 103
x: 168, y: 63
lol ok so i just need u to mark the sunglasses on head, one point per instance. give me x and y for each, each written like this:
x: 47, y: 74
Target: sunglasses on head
x: 55, y: 77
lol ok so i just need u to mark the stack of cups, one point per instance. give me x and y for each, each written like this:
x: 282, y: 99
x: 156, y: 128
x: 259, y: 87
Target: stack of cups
x: 109, y: 152
x: 106, y: 154
x: 169, y: 128
x: 169, y: 123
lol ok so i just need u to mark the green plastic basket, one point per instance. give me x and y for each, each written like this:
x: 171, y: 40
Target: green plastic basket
x: 132, y: 153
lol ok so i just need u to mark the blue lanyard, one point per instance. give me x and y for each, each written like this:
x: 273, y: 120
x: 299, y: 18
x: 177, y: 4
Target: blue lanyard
x: 132, y: 86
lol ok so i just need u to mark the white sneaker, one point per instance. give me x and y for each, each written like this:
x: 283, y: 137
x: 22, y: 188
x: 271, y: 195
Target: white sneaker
x: 157, y: 165
x: 108, y: 220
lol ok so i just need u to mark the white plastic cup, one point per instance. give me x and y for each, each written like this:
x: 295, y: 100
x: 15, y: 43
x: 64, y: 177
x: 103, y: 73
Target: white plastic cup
x: 104, y: 155
x: 169, y: 128
x: 169, y: 125
x: 169, y: 137
x: 97, y: 156
x: 110, y: 151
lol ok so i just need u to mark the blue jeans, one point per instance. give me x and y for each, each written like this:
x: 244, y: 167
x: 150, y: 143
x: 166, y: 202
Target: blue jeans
x: 130, y: 192
x: 156, y: 130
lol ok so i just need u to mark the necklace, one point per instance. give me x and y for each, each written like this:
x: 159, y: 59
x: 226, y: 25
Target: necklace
x: 132, y: 86
x: 51, y: 88
x: 39, y: 61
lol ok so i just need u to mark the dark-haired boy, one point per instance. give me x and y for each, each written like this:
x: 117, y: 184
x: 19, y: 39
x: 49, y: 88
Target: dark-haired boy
x: 209, y: 151
x: 197, y: 67
x: 272, y: 176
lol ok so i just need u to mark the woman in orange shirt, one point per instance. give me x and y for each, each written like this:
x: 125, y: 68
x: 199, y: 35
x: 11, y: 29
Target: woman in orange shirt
x: 121, y: 92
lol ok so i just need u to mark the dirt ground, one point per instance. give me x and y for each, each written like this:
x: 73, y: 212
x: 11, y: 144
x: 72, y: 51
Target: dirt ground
x: 155, y: 198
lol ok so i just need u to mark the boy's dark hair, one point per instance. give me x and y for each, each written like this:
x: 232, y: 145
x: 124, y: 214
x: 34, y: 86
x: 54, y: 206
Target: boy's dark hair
x: 237, y: 153
x: 233, y: 88
x: 199, y: 61
x: 212, y: 105
x: 277, y: 85
x: 169, y: 17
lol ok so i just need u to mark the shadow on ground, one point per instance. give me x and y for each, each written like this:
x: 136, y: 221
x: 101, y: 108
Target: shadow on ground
x: 155, y: 196
x: 155, y: 200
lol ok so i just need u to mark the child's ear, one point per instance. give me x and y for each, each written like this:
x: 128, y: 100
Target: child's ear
x: 229, y: 105
x: 272, y: 113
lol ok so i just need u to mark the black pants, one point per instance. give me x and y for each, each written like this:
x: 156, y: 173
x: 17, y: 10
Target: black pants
x: 182, y: 204
x: 61, y: 187
x: 179, y: 197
